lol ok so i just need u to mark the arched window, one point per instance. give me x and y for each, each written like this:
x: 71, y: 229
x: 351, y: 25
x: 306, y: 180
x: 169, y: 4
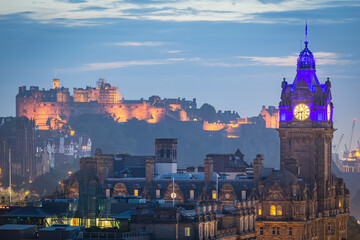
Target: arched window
x: 273, y: 210
x: 259, y: 210
x: 161, y: 152
x: 279, y: 210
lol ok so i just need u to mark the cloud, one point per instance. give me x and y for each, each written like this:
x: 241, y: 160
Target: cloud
x: 321, y: 58
x: 137, y: 44
x: 123, y: 64
x: 88, y: 12
x: 174, y: 51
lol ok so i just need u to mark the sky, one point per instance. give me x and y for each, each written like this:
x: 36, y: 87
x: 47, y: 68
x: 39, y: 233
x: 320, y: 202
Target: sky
x: 230, y: 54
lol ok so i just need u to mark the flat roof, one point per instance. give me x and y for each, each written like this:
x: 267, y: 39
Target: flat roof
x: 16, y: 227
x: 62, y: 228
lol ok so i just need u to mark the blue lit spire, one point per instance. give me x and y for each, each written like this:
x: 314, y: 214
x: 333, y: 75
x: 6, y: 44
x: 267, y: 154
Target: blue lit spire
x: 306, y: 59
x: 306, y: 65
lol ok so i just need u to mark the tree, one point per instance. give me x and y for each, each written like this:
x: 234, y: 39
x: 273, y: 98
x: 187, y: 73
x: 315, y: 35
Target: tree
x: 208, y: 113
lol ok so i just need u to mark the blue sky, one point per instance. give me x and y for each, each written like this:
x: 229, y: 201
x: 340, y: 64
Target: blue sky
x: 231, y: 54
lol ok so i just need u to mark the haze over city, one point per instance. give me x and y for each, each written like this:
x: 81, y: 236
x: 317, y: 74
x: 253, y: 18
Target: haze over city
x: 180, y: 119
x: 232, y: 55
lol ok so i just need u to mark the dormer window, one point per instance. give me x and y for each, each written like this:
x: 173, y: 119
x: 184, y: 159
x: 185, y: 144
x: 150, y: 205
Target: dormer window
x: 157, y: 193
x: 279, y: 210
x: 191, y: 194
x: 213, y: 194
x: 243, y: 194
x: 273, y: 210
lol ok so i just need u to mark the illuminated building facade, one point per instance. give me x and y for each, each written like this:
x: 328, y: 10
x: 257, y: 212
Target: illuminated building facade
x: 51, y: 109
x: 304, y: 199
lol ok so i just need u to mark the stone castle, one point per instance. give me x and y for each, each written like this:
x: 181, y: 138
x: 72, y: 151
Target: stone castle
x: 51, y: 109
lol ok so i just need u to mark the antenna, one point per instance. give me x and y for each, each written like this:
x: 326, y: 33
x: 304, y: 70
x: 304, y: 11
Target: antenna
x: 306, y: 32
x: 10, y: 173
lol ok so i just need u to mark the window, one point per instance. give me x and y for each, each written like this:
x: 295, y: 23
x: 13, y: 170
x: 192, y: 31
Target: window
x: 261, y: 231
x: 187, y: 231
x: 273, y: 230
x: 259, y: 210
x: 157, y: 193
x: 279, y: 210
x: 290, y: 231
x: 272, y: 210
x: 243, y: 194
x: 213, y: 194
x: 162, y: 153
x: 329, y: 226
x: 278, y: 231
x: 191, y: 194
x: 339, y: 203
x: 136, y: 192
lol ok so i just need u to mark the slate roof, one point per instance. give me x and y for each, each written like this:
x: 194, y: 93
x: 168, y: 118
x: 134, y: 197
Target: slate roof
x: 184, y: 184
x: 33, y: 212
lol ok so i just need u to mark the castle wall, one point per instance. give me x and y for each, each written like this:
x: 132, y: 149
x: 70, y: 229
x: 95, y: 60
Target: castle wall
x: 141, y: 111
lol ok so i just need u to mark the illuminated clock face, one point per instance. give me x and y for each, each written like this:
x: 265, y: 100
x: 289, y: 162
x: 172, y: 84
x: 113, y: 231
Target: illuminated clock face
x: 328, y: 112
x: 173, y: 195
x: 301, y: 112
x: 227, y: 196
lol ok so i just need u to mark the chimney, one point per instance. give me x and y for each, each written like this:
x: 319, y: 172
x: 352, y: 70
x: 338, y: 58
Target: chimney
x: 165, y: 156
x: 208, y: 169
x: 258, y: 166
x: 149, y: 169
x: 291, y: 165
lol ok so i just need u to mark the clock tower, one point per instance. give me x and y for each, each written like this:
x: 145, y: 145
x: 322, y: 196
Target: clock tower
x: 306, y: 127
x: 304, y: 199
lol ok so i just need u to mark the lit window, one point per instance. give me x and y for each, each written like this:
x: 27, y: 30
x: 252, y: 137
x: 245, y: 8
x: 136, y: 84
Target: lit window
x: 191, y: 194
x: 136, y: 192
x: 243, y: 194
x: 214, y: 194
x: 279, y: 210
x: 157, y: 193
x: 259, y: 210
x: 339, y: 203
x: 187, y: 231
x: 272, y: 210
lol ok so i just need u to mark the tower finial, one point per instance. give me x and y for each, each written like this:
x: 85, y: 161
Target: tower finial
x: 306, y: 41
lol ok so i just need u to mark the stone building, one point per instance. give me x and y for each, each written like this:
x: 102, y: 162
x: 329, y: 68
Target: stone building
x: 304, y: 199
x: 206, y: 221
x: 17, y: 141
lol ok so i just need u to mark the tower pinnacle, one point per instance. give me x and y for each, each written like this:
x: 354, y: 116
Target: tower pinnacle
x: 306, y: 41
